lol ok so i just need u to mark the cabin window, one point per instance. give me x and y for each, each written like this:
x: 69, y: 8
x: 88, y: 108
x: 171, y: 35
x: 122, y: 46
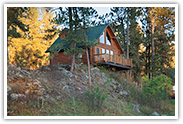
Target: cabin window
x: 108, y: 39
x: 107, y: 51
x: 102, y: 38
x: 97, y: 50
x: 112, y: 52
x: 103, y: 52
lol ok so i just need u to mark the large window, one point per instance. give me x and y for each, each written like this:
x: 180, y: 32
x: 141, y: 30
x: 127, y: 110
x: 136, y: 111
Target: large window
x: 112, y: 52
x: 103, y: 52
x: 102, y: 38
x: 108, y: 40
x: 107, y: 51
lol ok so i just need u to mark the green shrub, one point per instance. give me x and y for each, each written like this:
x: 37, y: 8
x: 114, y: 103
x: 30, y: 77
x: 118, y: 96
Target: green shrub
x: 96, y: 97
x: 157, y: 88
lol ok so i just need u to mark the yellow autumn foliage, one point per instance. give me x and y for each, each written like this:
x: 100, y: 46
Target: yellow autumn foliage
x: 29, y: 50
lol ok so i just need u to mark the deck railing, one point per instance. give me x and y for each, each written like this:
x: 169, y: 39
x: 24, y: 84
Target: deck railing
x: 98, y: 58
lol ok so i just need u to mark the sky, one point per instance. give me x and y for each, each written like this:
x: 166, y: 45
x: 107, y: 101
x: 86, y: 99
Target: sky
x: 102, y: 10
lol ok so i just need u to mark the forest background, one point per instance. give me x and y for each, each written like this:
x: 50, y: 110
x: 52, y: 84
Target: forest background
x: 146, y: 34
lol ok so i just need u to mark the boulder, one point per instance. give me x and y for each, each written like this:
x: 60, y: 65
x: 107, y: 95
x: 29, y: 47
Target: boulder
x: 27, y: 92
x: 8, y: 88
x: 155, y: 113
x: 76, y: 65
x: 60, y: 68
x: 84, y: 83
x: 81, y: 64
x: 113, y: 86
x: 82, y: 71
x: 135, y: 107
x: 95, y: 69
x: 78, y: 88
x: 25, y: 72
x: 66, y: 88
x: 14, y: 96
x: 45, y: 68
x: 44, y: 79
x: 18, y: 68
x: 85, y: 77
x: 18, y: 75
x: 123, y: 92
x: 104, y: 78
x: 67, y: 73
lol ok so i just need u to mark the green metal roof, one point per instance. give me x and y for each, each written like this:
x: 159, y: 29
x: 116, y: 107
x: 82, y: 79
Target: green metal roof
x: 92, y: 33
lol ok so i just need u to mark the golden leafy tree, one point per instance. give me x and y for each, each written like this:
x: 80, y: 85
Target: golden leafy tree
x: 29, y: 50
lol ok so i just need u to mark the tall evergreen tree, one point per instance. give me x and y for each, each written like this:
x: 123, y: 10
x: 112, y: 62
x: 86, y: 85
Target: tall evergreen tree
x: 135, y: 38
x: 129, y: 34
x: 79, y: 18
x: 68, y: 17
x: 87, y: 13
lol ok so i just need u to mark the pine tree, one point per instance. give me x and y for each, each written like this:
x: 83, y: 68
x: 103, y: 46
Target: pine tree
x: 158, y: 25
x: 79, y: 19
x: 163, y: 37
x: 129, y: 34
x: 69, y: 17
x: 13, y: 22
x: 135, y: 38
x: 86, y: 14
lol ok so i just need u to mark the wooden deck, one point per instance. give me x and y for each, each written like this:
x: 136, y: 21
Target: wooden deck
x: 113, y: 60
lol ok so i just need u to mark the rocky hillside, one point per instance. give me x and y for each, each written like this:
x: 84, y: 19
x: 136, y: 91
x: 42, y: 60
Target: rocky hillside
x: 55, y: 79
x: 47, y: 80
x: 51, y: 84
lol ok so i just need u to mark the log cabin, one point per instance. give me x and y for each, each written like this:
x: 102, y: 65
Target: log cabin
x: 107, y: 52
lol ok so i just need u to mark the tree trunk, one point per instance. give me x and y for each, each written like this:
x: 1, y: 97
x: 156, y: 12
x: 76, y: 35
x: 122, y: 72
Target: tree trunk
x: 149, y: 57
x: 72, y: 44
x: 127, y: 46
x: 139, y: 73
x: 73, y: 59
x: 127, y: 40
x: 88, y: 67
x: 152, y: 42
x: 85, y: 38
